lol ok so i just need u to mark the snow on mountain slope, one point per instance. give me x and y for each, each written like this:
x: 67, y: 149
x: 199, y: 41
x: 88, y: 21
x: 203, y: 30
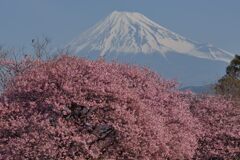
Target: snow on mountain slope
x: 131, y: 32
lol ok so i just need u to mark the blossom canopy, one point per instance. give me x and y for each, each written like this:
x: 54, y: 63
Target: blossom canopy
x: 72, y: 108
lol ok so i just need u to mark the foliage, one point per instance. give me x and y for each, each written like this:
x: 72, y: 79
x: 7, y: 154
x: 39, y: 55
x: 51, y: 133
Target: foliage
x: 71, y: 108
x: 234, y: 68
x: 230, y: 84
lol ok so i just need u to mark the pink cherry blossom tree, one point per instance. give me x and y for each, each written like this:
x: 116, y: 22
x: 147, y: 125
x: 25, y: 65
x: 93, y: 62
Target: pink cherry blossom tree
x: 72, y: 108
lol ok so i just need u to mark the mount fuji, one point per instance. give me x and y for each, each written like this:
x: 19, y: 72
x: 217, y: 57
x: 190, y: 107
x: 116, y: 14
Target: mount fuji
x: 130, y: 37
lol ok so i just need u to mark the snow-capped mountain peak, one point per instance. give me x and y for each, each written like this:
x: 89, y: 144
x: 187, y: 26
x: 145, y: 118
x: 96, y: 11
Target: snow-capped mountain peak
x: 132, y: 32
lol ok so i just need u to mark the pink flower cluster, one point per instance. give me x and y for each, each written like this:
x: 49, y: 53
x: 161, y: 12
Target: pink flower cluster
x: 72, y: 108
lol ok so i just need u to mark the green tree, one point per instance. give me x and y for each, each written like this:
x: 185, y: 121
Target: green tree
x: 229, y: 84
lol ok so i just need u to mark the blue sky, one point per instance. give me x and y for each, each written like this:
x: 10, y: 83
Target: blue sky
x: 213, y: 21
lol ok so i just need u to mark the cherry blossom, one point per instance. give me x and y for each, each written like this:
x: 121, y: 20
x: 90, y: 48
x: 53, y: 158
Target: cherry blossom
x: 73, y: 108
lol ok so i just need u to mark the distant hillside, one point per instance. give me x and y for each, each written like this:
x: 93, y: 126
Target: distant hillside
x: 206, y: 89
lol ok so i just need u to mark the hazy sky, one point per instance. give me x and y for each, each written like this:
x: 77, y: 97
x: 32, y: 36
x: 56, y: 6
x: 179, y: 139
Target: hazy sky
x: 212, y: 21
